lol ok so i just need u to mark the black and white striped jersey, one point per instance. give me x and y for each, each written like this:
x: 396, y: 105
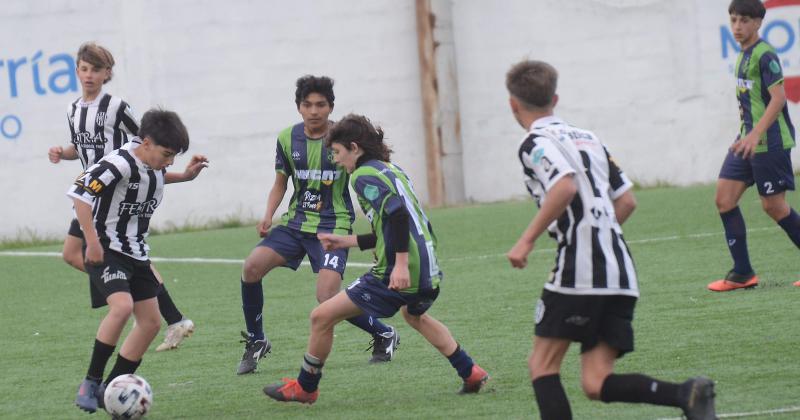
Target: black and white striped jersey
x: 592, y: 256
x: 99, y: 127
x: 123, y: 193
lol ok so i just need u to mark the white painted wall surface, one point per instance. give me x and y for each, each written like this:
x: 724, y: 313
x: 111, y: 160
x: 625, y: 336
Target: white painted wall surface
x: 647, y: 76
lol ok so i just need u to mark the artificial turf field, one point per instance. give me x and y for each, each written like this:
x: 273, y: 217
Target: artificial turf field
x: 747, y: 341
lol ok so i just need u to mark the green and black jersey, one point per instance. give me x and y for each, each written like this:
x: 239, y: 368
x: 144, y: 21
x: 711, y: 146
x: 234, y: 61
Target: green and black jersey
x: 382, y: 189
x: 321, y: 200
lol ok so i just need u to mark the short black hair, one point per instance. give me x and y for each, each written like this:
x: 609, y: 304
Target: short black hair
x: 750, y: 8
x: 309, y: 84
x: 166, y: 129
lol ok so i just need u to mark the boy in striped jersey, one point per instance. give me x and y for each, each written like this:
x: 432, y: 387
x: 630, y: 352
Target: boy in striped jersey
x: 761, y: 154
x: 114, y: 200
x: 405, y: 276
x: 100, y: 123
x: 583, y: 197
x: 320, y: 204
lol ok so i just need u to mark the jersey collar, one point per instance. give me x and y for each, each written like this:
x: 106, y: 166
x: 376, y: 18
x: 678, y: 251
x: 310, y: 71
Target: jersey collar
x: 545, y: 121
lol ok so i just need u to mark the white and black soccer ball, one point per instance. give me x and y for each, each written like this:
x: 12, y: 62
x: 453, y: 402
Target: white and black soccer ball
x: 128, y: 397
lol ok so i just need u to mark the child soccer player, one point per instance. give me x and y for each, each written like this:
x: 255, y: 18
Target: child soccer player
x: 583, y: 198
x: 405, y: 276
x: 761, y: 153
x: 100, y: 123
x: 320, y: 203
x: 114, y: 201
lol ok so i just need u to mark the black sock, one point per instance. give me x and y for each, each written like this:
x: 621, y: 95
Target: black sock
x: 121, y: 367
x: 310, y: 373
x: 100, y: 355
x: 636, y: 388
x: 167, y: 307
x: 551, y: 398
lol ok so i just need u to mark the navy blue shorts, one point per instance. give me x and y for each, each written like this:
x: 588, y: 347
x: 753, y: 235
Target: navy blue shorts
x: 375, y: 298
x: 771, y: 171
x: 294, y: 245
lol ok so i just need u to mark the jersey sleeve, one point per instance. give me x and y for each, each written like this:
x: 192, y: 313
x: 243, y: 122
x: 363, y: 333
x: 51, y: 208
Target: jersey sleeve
x: 618, y: 182
x: 129, y: 122
x: 770, y: 68
x: 377, y: 193
x: 543, y: 161
x: 281, y: 160
x: 95, y: 181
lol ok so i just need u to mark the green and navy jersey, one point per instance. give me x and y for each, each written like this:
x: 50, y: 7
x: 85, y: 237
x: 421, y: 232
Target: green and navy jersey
x: 758, y: 69
x: 321, y: 200
x: 382, y: 189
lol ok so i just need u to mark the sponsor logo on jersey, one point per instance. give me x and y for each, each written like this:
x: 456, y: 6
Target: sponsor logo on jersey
x: 327, y: 177
x: 296, y: 155
x: 85, y: 140
x: 312, y: 201
x: 107, y: 277
x: 143, y: 210
x: 744, y: 85
x: 100, y: 119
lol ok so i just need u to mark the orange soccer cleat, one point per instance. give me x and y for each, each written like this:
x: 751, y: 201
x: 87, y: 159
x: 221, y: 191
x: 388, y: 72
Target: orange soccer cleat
x: 290, y: 390
x: 476, y: 380
x: 733, y: 281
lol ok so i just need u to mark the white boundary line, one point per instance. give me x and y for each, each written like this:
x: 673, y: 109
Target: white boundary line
x: 199, y: 260
x: 792, y: 409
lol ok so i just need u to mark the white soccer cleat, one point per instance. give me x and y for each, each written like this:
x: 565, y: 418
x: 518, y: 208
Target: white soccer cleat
x: 175, y: 334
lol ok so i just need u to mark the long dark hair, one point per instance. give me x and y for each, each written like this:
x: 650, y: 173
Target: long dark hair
x: 359, y: 130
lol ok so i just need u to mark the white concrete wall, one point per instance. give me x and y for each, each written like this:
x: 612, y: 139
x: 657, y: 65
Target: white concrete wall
x: 647, y: 76
x: 228, y: 68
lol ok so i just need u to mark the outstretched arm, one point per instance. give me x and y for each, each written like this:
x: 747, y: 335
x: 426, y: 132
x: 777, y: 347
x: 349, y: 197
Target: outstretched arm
x: 197, y: 164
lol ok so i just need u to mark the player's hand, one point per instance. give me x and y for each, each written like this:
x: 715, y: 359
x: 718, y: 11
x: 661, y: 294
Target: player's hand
x: 263, y: 227
x: 197, y: 164
x: 94, y: 253
x: 400, y: 278
x: 746, y: 146
x: 55, y: 153
x: 518, y: 255
x: 330, y: 241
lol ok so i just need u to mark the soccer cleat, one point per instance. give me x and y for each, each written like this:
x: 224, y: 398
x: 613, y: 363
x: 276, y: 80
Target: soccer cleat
x: 733, y: 281
x: 383, y: 347
x: 475, y: 381
x: 175, y: 334
x: 290, y: 390
x: 101, y: 395
x: 696, y: 396
x: 87, y: 395
x: 797, y: 283
x: 254, y: 350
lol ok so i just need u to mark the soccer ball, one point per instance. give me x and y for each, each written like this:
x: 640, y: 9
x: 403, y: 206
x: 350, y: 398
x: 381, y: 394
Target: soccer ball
x: 128, y: 397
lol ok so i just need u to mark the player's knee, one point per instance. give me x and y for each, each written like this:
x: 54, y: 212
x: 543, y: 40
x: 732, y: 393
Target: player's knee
x: 252, y: 271
x: 121, y: 310
x: 320, y: 319
x: 323, y: 295
x: 777, y: 210
x: 724, y: 204
x: 150, y: 324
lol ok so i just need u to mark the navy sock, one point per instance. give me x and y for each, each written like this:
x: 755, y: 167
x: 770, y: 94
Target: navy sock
x: 121, y: 367
x: 461, y: 361
x: 310, y: 373
x: 791, y: 224
x: 551, y: 398
x: 736, y: 236
x: 100, y: 355
x: 636, y: 388
x: 369, y: 324
x: 253, y: 306
x: 167, y: 307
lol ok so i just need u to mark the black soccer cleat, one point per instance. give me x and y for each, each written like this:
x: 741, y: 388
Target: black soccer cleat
x: 86, y: 399
x: 383, y: 346
x: 254, y: 350
x: 696, y: 396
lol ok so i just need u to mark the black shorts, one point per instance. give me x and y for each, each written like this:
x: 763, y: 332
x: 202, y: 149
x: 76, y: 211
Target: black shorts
x: 120, y: 273
x: 75, y: 229
x: 588, y: 319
